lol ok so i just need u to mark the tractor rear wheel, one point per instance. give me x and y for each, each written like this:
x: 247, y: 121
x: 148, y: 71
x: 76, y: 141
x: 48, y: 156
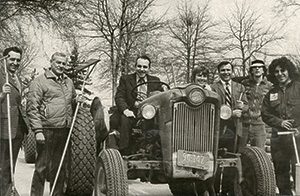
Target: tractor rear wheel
x: 82, y: 157
x: 258, y: 173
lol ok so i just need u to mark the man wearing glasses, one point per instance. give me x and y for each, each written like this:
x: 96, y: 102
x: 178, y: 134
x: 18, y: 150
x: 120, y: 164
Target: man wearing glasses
x: 127, y: 101
x: 257, y: 86
x: 18, y: 127
x: 49, y: 110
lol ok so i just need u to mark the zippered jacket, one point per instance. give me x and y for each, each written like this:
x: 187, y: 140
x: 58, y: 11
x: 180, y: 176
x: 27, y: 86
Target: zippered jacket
x: 50, y: 101
x: 282, y: 104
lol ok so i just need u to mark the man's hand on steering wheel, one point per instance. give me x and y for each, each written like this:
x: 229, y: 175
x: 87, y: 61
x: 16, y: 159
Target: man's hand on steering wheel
x: 128, y: 113
x: 140, y: 96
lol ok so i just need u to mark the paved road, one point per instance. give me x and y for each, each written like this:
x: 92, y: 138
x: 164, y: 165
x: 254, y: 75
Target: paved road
x: 24, y: 174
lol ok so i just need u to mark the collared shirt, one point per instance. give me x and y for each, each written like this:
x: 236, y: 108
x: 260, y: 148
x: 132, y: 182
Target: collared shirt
x: 255, y: 93
x: 57, y: 78
x: 142, y: 87
x: 226, y: 83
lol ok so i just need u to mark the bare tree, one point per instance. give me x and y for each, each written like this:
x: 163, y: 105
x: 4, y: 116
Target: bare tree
x: 17, y: 37
x: 246, y: 35
x: 190, y: 31
x: 114, y: 27
x: 10, y: 10
x: 287, y: 8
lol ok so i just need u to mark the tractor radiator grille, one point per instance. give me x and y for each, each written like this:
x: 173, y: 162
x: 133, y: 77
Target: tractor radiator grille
x: 193, y: 127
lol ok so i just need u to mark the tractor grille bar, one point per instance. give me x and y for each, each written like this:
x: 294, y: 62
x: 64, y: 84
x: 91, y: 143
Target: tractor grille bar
x: 193, y: 128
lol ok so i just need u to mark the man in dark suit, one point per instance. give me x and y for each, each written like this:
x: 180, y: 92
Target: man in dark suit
x: 127, y: 101
x: 18, y: 126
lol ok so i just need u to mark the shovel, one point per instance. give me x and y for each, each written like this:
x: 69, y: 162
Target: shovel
x: 297, y: 176
x: 12, y: 190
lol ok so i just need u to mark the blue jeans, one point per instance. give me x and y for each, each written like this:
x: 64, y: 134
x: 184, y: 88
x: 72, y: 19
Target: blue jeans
x: 253, y: 134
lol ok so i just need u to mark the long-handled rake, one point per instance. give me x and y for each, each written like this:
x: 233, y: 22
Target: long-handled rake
x: 13, y: 191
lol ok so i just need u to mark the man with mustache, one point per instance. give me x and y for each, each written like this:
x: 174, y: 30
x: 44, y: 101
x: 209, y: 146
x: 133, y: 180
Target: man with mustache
x: 50, y: 113
x: 18, y: 127
x: 126, y: 101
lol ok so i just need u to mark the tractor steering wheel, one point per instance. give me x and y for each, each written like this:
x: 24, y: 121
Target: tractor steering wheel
x: 140, y: 96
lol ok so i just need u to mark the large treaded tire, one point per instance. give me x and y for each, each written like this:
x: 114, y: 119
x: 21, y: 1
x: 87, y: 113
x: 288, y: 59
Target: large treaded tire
x: 82, y: 158
x: 258, y: 173
x: 111, y: 175
x: 29, y: 147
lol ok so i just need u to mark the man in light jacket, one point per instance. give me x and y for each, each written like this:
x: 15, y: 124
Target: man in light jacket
x: 49, y: 110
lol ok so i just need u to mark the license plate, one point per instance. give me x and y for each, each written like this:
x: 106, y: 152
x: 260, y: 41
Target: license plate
x: 193, y: 159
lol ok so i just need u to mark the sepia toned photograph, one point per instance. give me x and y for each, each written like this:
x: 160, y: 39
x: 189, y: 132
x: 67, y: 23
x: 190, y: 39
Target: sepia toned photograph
x: 149, y: 98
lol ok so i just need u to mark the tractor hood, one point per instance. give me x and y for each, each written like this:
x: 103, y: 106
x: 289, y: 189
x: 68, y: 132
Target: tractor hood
x: 192, y: 94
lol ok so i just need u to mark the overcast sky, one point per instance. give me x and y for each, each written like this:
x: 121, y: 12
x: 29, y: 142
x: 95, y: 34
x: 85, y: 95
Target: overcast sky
x: 221, y: 8
x: 49, y: 43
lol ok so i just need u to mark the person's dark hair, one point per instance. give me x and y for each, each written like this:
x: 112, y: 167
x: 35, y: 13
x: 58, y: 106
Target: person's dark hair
x: 200, y: 69
x: 257, y: 61
x: 224, y: 63
x: 14, y: 49
x: 145, y: 57
x: 284, y: 63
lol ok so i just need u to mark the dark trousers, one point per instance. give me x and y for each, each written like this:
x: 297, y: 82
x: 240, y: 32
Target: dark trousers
x: 125, y: 131
x: 5, y: 176
x: 227, y: 135
x: 283, y: 156
x: 48, y: 158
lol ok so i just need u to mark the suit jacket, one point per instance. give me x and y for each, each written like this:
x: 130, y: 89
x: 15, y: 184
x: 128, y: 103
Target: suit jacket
x: 18, y: 125
x: 237, y: 93
x: 124, y: 98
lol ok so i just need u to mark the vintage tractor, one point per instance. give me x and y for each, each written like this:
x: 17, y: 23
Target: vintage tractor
x: 176, y: 141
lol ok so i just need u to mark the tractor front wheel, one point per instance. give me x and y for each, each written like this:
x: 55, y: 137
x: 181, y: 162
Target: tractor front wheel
x: 111, y: 176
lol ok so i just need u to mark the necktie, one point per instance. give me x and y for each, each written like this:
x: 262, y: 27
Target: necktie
x: 228, y: 95
x: 15, y: 81
x: 142, y: 88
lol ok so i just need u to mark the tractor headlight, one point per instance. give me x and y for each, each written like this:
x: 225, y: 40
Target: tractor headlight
x: 148, y: 111
x: 225, y: 112
x: 196, y: 96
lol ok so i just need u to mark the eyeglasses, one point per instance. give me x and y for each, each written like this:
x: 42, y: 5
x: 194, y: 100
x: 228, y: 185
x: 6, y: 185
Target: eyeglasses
x: 255, y: 67
x: 140, y: 66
